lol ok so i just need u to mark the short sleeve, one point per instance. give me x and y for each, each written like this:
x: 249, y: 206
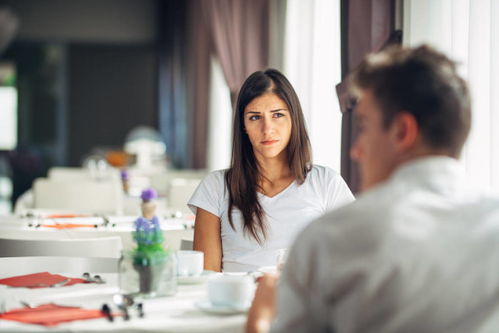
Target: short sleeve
x: 209, y: 194
x: 338, y: 192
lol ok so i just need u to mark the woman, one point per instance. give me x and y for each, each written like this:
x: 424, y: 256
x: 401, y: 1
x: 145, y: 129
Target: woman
x: 247, y: 214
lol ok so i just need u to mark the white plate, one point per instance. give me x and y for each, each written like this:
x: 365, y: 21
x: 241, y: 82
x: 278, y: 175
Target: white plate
x: 207, y: 306
x: 197, y: 279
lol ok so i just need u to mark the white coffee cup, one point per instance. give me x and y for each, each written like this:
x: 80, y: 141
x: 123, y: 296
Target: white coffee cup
x: 231, y: 290
x: 190, y: 263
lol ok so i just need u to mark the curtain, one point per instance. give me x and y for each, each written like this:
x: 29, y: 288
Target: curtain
x: 240, y: 36
x: 172, y: 77
x: 467, y: 31
x: 198, y: 83
x: 367, y: 26
x: 312, y: 63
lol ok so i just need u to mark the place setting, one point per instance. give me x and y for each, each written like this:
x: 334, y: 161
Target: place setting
x: 190, y: 268
x: 49, y: 280
x: 228, y: 295
x: 65, y: 220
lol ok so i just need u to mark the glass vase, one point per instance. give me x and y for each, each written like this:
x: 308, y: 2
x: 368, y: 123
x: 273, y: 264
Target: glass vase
x: 159, y: 279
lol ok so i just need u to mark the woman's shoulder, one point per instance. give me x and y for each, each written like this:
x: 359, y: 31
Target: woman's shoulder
x: 321, y: 173
x: 215, y: 178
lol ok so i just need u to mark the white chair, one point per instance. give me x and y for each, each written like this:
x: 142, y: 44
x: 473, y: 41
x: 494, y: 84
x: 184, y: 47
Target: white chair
x: 105, y: 197
x: 186, y: 244
x: 103, y: 247
x: 25, y: 202
x: 76, y: 265
x: 76, y: 174
x: 161, y: 180
x: 180, y: 191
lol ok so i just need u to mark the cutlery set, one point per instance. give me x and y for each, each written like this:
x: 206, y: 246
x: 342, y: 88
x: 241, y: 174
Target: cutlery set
x: 123, y: 302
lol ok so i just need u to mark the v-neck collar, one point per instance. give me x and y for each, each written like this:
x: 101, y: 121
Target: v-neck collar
x: 278, y: 194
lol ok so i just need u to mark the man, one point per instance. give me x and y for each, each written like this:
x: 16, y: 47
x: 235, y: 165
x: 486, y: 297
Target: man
x: 417, y: 252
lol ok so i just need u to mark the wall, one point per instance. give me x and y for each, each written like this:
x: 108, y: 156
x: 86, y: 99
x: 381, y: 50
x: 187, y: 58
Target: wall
x: 112, y: 89
x: 119, y: 21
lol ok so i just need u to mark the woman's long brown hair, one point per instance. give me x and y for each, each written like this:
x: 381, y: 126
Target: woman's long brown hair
x: 243, y: 177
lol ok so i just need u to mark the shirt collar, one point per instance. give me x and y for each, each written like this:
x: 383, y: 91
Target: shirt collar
x: 437, y: 173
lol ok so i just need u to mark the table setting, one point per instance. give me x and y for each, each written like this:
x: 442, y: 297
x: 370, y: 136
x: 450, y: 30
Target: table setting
x: 154, y: 288
x: 94, y: 307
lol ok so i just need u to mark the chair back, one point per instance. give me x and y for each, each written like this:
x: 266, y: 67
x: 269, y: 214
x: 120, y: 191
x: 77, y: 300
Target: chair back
x: 180, y: 191
x: 103, y: 247
x: 76, y: 174
x: 161, y: 181
x: 186, y: 244
x: 105, y: 197
x: 12, y: 266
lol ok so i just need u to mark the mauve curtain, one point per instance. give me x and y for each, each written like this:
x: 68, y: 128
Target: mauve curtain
x: 240, y: 37
x: 367, y: 26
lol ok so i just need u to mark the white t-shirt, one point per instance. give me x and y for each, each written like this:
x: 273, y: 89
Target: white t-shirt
x: 286, y: 214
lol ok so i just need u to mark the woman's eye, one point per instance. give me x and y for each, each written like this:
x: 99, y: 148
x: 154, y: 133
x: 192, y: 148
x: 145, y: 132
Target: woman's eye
x: 254, y: 117
x: 278, y: 115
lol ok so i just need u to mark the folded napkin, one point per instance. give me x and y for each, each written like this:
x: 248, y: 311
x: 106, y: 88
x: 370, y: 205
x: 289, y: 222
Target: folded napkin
x: 68, y: 225
x: 50, y: 314
x: 39, y: 280
x: 64, y: 216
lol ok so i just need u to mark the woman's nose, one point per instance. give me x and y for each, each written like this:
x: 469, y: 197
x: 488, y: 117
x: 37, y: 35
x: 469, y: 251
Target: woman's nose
x: 268, y: 126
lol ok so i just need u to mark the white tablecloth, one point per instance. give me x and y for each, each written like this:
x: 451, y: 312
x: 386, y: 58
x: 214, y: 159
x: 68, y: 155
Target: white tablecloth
x: 174, y: 229
x: 167, y: 314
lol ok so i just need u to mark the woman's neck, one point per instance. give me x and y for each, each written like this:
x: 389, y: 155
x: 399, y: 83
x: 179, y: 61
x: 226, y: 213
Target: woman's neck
x: 273, y: 170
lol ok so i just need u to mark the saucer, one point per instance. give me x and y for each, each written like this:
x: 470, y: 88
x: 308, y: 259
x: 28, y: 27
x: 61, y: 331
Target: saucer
x: 208, y: 307
x: 196, y: 279
x: 268, y: 269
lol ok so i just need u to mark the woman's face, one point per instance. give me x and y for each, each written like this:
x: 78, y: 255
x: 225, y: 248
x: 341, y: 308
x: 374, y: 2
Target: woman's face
x: 267, y: 121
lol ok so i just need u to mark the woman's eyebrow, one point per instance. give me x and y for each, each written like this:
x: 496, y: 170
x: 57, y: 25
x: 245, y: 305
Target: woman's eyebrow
x: 258, y: 112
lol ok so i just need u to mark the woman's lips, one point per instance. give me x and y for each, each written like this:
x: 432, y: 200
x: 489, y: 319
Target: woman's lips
x: 269, y: 142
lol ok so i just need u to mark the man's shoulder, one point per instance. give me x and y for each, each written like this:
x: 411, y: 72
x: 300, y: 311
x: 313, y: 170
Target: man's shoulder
x: 366, y: 213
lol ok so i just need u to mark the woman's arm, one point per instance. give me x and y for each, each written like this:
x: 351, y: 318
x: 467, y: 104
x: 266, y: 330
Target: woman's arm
x: 208, y: 240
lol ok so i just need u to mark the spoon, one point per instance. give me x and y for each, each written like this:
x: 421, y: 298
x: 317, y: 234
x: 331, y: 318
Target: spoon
x: 123, y: 302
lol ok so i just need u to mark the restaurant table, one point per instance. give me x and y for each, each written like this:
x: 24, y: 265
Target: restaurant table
x: 177, y: 313
x: 174, y: 229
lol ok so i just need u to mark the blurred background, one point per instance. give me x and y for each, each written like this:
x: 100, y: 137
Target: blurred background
x: 147, y: 86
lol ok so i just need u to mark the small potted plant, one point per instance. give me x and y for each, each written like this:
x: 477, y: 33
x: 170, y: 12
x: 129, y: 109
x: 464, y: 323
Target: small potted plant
x: 155, y: 265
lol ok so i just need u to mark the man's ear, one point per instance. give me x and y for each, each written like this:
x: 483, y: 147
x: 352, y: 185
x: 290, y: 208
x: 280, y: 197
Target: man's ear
x: 405, y: 131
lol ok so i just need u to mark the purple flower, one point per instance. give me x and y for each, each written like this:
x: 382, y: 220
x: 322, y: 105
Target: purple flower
x: 124, y: 174
x: 149, y: 194
x: 155, y: 223
x: 142, y: 224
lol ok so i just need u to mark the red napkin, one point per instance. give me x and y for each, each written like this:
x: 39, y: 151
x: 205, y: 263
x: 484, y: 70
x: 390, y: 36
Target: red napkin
x: 68, y: 225
x: 50, y: 314
x: 31, y: 280
x: 64, y: 216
